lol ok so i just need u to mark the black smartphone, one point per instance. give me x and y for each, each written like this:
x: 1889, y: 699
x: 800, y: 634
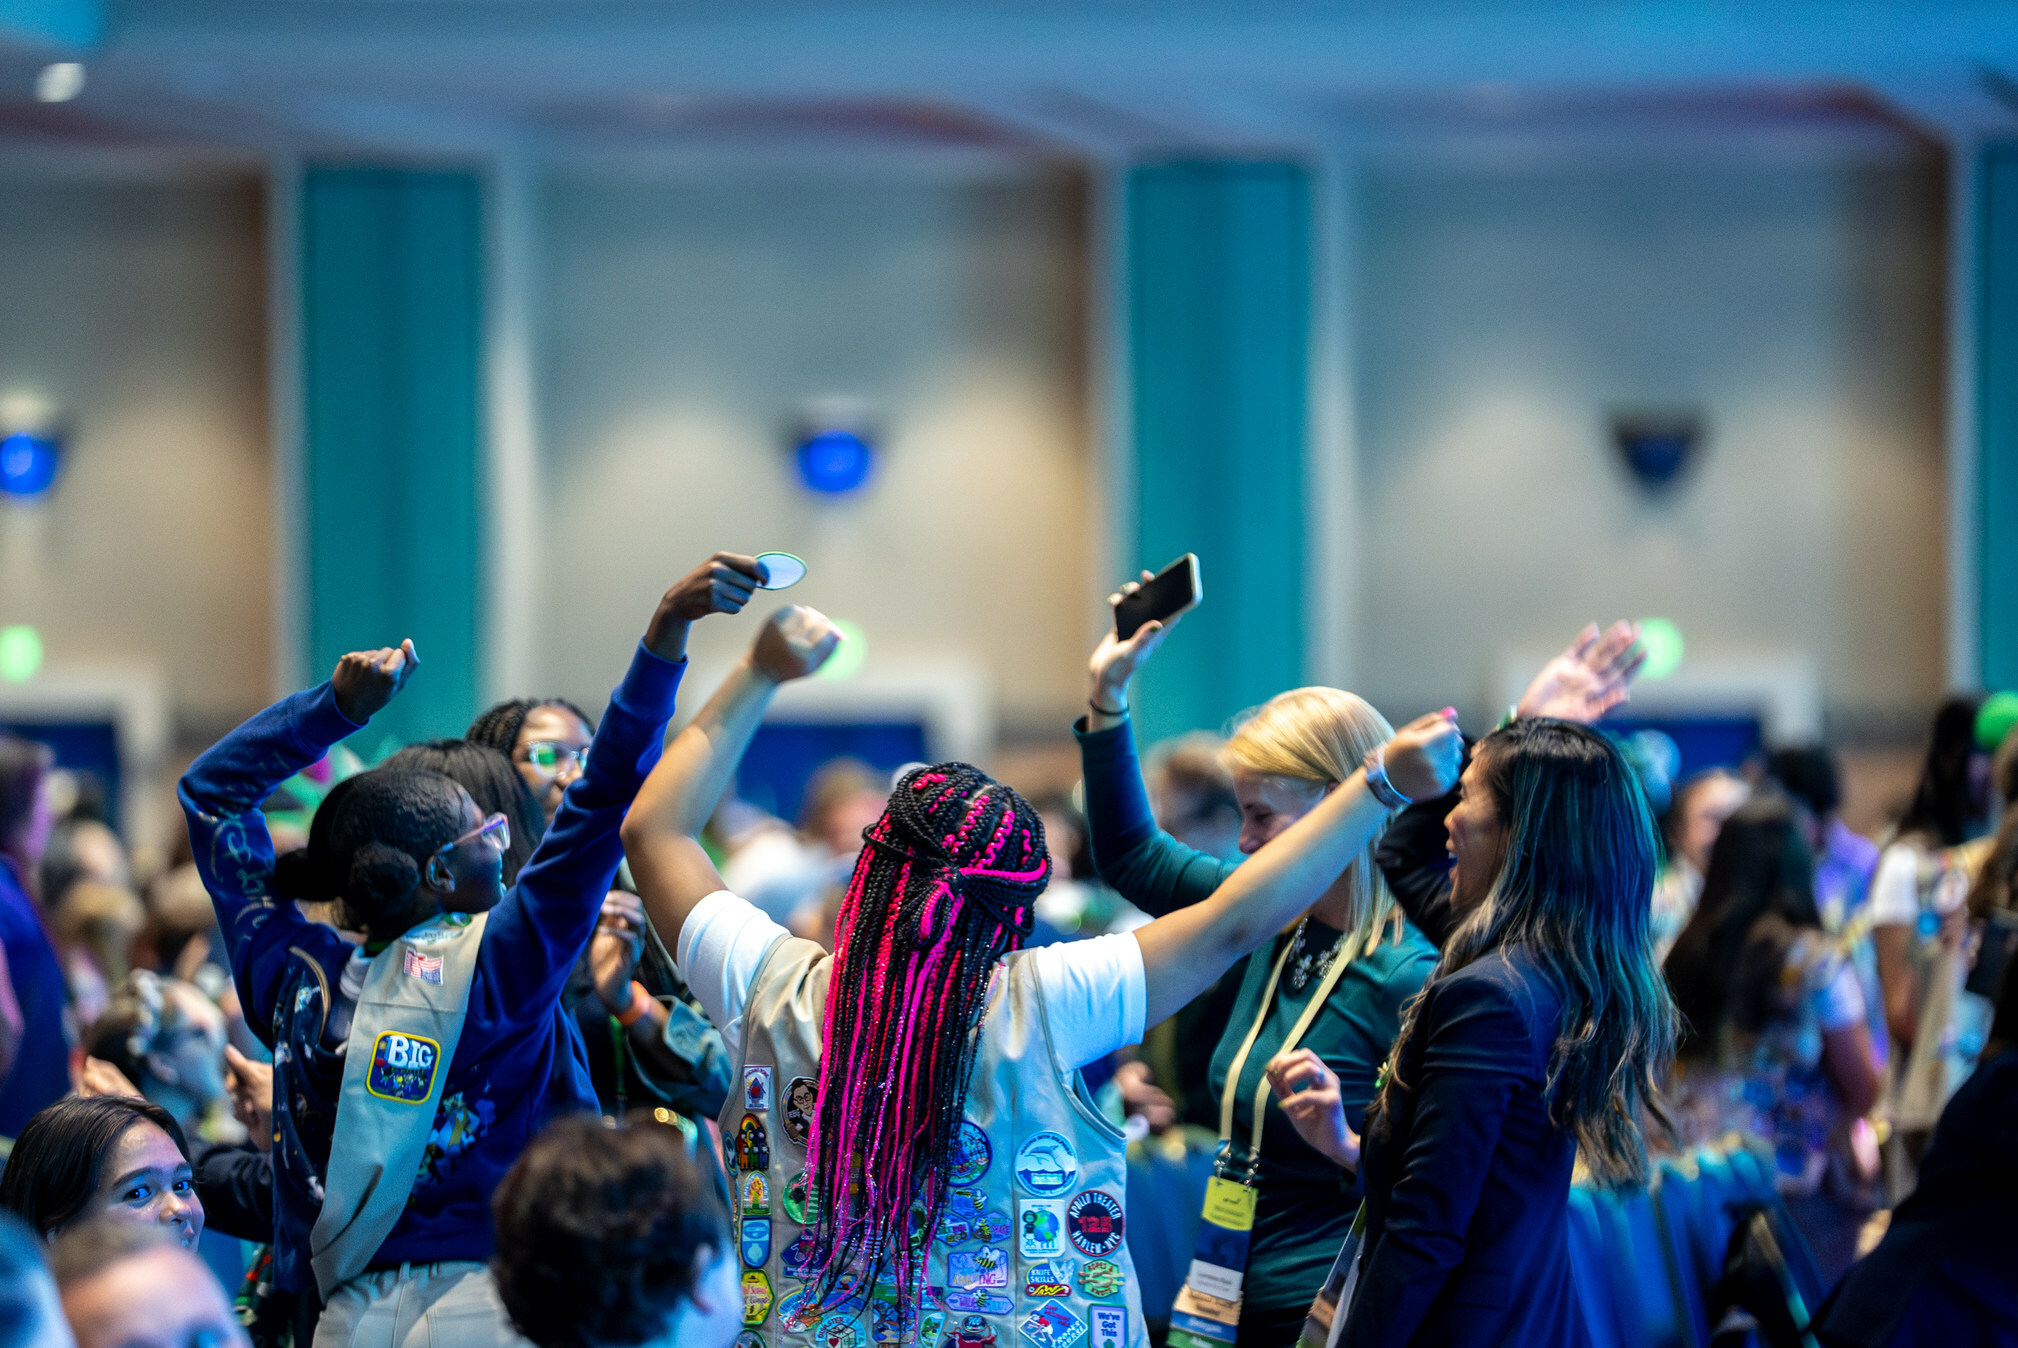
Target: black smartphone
x: 1175, y: 589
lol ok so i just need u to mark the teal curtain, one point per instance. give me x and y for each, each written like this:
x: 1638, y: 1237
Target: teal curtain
x: 1218, y: 277
x: 391, y: 312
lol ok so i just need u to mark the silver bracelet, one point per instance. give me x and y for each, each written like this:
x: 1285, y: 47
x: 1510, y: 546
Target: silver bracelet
x: 1377, y: 782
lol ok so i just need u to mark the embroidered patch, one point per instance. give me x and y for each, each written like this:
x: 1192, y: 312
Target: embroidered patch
x: 756, y: 1241
x: 1094, y: 1221
x: 796, y: 1259
x: 834, y: 1332
x: 402, y: 1067
x: 965, y: 1219
x: 1046, y: 1165
x: 1053, y: 1326
x: 970, y: 1332
x: 750, y: 1338
x: 1110, y: 1326
x: 1048, y: 1278
x: 1101, y: 1279
x: 802, y: 1098
x: 753, y: 1145
x: 794, y: 1315
x: 1040, y: 1227
x: 757, y: 1089
x: 753, y: 1194
x: 971, y: 1270
x: 981, y: 1303
x: 802, y: 1204
x: 971, y: 1154
x: 427, y: 968
x: 756, y: 1298
x: 929, y: 1325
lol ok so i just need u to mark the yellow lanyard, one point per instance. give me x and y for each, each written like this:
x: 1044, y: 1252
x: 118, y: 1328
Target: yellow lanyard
x: 1347, y: 953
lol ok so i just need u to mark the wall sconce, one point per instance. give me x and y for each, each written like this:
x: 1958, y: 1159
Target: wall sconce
x: 834, y: 447
x: 1657, y: 446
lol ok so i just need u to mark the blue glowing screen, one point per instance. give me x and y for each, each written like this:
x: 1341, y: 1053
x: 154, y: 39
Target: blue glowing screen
x: 834, y: 462
x: 27, y: 464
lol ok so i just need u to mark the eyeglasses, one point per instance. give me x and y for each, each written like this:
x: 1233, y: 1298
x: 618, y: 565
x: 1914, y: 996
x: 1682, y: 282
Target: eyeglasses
x: 553, y: 758
x: 496, y: 830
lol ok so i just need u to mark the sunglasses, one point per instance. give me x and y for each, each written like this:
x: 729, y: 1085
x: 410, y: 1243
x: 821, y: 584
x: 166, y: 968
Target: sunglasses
x: 553, y: 758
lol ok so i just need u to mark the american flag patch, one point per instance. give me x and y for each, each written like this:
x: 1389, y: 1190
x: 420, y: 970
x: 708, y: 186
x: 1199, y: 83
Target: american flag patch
x: 426, y: 967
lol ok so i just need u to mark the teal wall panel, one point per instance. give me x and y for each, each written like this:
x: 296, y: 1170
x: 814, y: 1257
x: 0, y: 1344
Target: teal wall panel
x: 1997, y: 414
x: 1218, y: 276
x: 391, y: 311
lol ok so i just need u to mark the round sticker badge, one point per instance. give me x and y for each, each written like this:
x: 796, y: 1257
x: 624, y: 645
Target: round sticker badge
x: 1046, y: 1165
x: 971, y: 1154
x: 1094, y: 1221
x: 802, y: 1098
x: 802, y: 1205
x: 750, y: 1338
x: 794, y: 1315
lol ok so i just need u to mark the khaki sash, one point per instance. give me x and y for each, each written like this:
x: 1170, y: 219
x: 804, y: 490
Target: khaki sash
x: 402, y: 1038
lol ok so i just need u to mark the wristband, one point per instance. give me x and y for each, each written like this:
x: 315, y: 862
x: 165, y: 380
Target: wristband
x: 1104, y: 711
x: 1377, y: 782
x: 641, y: 1002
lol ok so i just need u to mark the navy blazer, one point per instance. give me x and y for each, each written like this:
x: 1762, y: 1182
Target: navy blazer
x: 1467, y: 1180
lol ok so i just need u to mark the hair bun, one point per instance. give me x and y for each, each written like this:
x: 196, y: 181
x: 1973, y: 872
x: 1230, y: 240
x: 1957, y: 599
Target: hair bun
x: 381, y: 877
x: 296, y: 875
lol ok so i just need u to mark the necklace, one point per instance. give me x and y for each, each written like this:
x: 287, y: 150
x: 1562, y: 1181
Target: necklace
x: 1306, y: 963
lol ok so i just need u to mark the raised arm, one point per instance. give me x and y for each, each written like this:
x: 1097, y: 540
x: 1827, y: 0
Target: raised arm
x: 221, y: 795
x: 1183, y: 953
x: 662, y: 831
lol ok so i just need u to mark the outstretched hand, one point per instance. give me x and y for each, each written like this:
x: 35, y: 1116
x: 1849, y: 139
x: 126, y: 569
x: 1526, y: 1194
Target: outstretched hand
x: 1424, y: 757
x: 794, y: 642
x: 1592, y: 675
x: 1308, y: 1095
x: 722, y: 584
x: 365, y: 681
x: 1115, y: 662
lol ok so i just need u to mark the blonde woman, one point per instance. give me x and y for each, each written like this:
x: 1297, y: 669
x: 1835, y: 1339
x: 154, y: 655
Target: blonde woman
x: 1354, y: 948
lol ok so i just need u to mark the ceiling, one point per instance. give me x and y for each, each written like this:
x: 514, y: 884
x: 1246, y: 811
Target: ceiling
x: 1099, y: 79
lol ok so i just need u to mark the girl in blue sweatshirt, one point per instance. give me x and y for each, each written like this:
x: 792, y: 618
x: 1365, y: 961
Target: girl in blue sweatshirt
x: 401, y: 848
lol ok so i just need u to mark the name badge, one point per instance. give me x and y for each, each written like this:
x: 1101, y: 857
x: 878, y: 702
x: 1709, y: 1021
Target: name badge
x: 403, y: 1067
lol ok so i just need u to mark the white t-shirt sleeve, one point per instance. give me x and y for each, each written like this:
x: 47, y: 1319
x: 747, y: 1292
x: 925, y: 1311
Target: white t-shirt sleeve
x: 722, y: 946
x: 1096, y: 996
x: 1895, y: 888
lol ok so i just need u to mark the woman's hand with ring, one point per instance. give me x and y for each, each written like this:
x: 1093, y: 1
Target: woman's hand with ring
x: 1308, y: 1095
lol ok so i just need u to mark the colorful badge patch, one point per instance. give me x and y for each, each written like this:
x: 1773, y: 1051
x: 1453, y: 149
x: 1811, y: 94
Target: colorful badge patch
x: 753, y: 1194
x: 750, y: 1338
x: 797, y: 1258
x: 837, y: 1332
x: 427, y: 968
x: 402, y: 1067
x: 1101, y: 1279
x: 1040, y: 1227
x: 979, y: 1303
x: 756, y: 1298
x: 982, y: 1270
x: 1094, y: 1221
x: 756, y: 1241
x: 1110, y: 1326
x: 1047, y: 1166
x: 753, y: 1145
x: 1048, y: 1278
x: 802, y: 1205
x: 969, y: 1332
x: 929, y: 1325
x: 1053, y: 1326
x: 802, y: 1097
x: 795, y: 1316
x: 971, y: 1154
x: 965, y: 1219
x: 757, y: 1089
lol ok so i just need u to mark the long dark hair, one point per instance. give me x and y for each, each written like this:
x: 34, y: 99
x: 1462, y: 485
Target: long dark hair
x: 1761, y: 871
x: 371, y: 836
x: 943, y: 890
x: 56, y: 1163
x: 492, y: 782
x: 1574, y: 892
x: 1947, y: 805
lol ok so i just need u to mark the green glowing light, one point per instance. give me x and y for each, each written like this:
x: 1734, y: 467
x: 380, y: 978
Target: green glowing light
x: 846, y: 661
x: 1663, y: 641
x: 1994, y: 720
x: 20, y: 653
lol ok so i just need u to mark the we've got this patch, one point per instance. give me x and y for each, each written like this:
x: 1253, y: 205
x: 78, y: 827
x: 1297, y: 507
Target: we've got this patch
x: 403, y: 1067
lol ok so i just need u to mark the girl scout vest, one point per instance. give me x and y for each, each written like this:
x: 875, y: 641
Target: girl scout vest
x: 1032, y: 1251
x: 403, y: 1036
